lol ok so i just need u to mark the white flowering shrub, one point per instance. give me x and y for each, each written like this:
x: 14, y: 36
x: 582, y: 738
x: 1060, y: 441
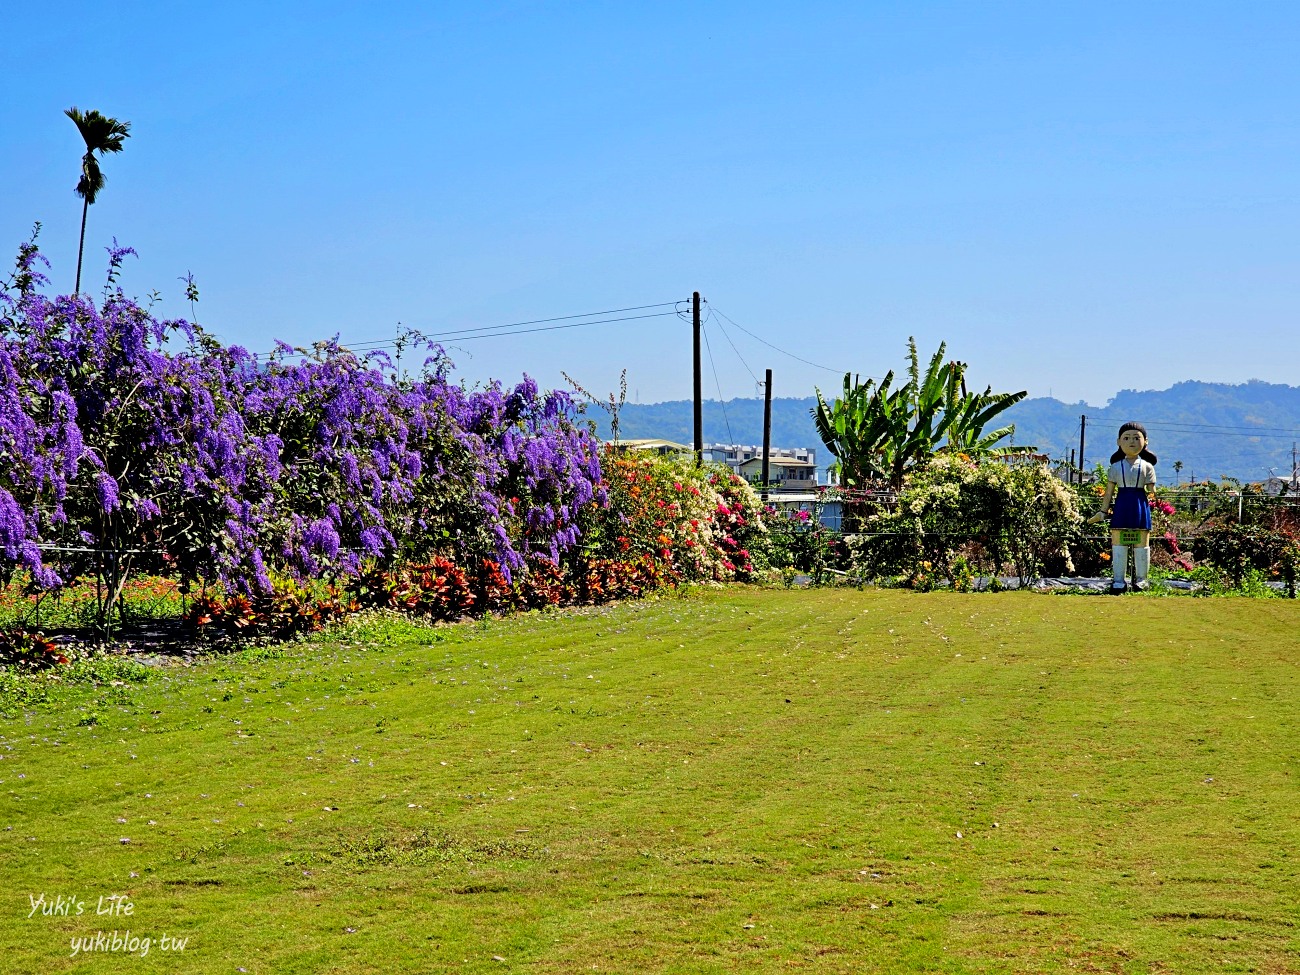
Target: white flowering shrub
x: 956, y: 518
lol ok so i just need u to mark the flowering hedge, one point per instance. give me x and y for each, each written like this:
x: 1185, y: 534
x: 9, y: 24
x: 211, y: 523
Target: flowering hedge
x: 126, y: 440
x: 955, y: 518
x: 657, y: 523
x: 694, y: 523
x: 128, y: 443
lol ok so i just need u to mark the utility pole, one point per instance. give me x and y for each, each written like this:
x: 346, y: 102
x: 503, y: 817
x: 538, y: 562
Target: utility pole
x: 1083, y: 426
x: 699, y: 396
x: 767, y: 430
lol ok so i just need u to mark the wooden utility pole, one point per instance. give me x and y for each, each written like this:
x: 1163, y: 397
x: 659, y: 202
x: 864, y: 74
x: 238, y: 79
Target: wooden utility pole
x: 767, y: 430
x: 1083, y: 426
x: 699, y: 396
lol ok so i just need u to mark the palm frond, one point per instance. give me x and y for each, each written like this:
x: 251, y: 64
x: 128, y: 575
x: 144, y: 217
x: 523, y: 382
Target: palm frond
x: 92, y: 179
x: 101, y: 135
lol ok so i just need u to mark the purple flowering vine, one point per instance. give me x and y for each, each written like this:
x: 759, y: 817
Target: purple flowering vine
x: 127, y: 441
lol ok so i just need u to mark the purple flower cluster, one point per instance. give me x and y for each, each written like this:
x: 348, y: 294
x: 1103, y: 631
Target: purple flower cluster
x: 123, y: 434
x: 535, y: 468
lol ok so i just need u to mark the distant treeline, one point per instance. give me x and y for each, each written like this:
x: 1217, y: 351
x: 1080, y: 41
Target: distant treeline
x: 1214, y: 429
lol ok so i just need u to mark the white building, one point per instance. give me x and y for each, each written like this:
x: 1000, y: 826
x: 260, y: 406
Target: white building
x: 735, y: 455
x: 784, y: 473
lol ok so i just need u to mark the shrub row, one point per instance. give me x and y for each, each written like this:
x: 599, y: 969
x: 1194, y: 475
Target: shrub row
x: 665, y: 522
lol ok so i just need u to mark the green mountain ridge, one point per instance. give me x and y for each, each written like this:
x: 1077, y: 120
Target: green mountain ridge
x: 1216, y: 430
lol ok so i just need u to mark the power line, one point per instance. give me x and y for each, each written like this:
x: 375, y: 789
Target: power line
x: 1188, y: 424
x: 1248, y: 436
x: 459, y: 336
x: 516, y: 328
x: 1208, y: 428
x: 734, y: 349
x: 500, y: 331
x: 1214, y: 430
x: 536, y: 321
x: 807, y: 362
x: 714, y: 366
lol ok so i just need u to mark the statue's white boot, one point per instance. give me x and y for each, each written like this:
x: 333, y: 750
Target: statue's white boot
x: 1142, y: 565
x: 1119, y: 564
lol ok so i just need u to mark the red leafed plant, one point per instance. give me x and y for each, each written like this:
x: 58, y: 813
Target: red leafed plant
x: 287, y: 610
x: 438, y: 588
x: 29, y: 650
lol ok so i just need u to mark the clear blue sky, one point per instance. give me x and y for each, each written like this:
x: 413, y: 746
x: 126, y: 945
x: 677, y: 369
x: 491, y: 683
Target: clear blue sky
x: 1078, y: 197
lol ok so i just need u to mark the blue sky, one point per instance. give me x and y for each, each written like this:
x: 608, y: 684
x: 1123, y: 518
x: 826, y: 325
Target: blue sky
x: 1078, y: 198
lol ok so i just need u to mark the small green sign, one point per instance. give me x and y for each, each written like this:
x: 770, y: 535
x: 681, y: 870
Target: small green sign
x: 1130, y: 536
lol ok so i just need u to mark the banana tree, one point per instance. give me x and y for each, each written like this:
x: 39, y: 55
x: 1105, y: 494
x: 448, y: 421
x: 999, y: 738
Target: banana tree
x: 966, y: 434
x: 859, y: 427
x: 876, y: 433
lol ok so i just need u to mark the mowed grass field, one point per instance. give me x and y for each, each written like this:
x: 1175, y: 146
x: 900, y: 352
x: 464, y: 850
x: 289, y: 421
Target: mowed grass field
x: 743, y: 780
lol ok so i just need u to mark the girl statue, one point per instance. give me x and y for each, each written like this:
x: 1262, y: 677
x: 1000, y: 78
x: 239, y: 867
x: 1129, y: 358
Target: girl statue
x: 1133, y: 469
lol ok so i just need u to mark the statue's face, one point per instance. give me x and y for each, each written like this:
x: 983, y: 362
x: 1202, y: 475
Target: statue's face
x: 1132, y: 443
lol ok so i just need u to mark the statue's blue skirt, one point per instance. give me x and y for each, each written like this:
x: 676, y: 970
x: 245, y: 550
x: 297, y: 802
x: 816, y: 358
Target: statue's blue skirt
x: 1131, y: 509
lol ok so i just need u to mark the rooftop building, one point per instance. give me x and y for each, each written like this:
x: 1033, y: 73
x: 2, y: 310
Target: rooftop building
x: 735, y: 455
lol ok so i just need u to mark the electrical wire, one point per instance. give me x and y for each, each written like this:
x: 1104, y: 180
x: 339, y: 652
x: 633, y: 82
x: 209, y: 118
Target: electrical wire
x: 807, y: 362
x: 516, y: 328
x: 1186, y: 425
x: 1246, y: 430
x: 736, y: 350
x: 1206, y: 429
x: 1223, y: 433
x: 1214, y: 430
x: 458, y: 337
x: 714, y: 366
x: 535, y: 321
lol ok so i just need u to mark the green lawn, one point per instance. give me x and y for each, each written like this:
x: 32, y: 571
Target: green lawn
x: 747, y: 780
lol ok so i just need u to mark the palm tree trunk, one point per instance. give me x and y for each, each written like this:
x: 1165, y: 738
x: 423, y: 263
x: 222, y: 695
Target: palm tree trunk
x: 81, y: 248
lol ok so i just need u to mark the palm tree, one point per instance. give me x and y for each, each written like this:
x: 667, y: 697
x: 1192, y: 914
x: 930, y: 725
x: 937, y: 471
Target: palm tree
x: 102, y: 135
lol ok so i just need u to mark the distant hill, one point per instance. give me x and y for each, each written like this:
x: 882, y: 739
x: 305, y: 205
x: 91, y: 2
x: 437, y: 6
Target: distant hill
x: 1215, y: 429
